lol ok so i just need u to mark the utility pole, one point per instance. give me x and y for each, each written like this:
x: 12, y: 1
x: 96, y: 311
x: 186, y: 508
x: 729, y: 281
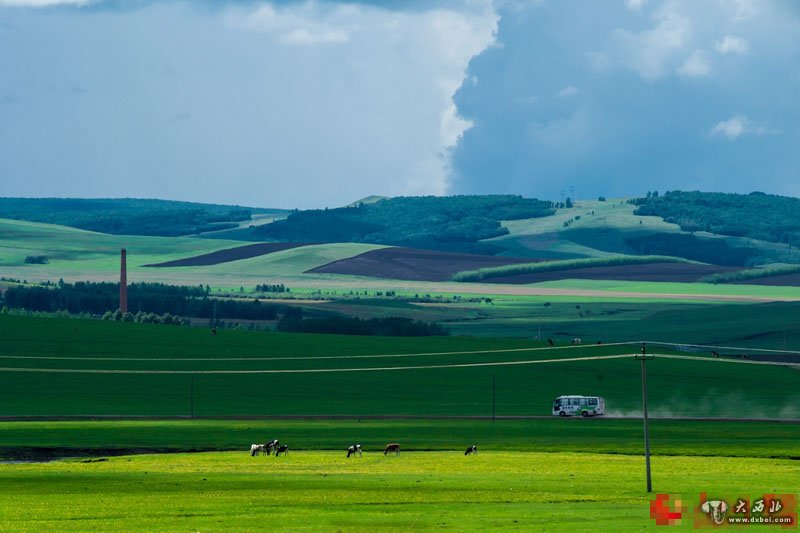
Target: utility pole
x: 493, y: 398
x: 643, y: 358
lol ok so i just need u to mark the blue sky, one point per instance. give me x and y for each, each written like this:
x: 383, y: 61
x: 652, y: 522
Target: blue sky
x: 311, y: 104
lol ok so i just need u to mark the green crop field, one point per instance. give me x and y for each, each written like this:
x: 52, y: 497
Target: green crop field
x: 323, y: 491
x: 72, y: 367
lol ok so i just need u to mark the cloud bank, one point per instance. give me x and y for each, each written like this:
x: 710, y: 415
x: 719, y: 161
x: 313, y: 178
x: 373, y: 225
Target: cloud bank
x: 288, y: 104
x: 673, y: 94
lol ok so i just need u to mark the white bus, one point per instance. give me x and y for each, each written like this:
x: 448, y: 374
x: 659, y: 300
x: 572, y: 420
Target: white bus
x: 579, y: 405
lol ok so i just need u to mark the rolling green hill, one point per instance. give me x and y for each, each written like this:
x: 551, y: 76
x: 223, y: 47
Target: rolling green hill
x: 454, y: 223
x: 619, y: 227
x: 133, y: 216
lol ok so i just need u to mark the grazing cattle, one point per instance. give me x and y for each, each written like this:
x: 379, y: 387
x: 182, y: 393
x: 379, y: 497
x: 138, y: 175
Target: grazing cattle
x: 393, y: 447
x: 549, y: 342
x: 271, y: 446
x: 472, y: 449
x: 283, y: 449
x: 354, y: 449
x: 255, y: 449
x: 576, y: 341
x: 714, y: 353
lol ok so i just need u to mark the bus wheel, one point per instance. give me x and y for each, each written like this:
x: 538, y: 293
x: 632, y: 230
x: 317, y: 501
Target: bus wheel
x: 585, y: 414
x: 562, y: 413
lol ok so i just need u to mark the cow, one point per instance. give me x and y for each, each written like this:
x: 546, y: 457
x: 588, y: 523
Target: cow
x: 271, y: 446
x: 549, y: 342
x: 354, y: 449
x: 283, y: 449
x: 472, y: 449
x: 393, y: 447
x: 576, y: 341
x: 255, y: 449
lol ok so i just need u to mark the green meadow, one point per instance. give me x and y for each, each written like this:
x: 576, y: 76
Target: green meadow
x: 323, y: 491
x: 70, y: 438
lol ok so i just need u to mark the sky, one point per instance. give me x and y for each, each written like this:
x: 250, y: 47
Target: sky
x: 305, y: 104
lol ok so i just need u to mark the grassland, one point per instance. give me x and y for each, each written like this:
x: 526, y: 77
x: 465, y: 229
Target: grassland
x: 108, y: 368
x: 323, y: 491
x: 58, y: 438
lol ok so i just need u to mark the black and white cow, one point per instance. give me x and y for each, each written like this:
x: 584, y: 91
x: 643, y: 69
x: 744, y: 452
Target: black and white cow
x: 472, y: 449
x: 255, y: 449
x: 271, y: 446
x: 354, y: 449
x: 282, y: 449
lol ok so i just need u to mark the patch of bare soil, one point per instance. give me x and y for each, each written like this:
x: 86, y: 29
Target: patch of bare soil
x: 232, y: 254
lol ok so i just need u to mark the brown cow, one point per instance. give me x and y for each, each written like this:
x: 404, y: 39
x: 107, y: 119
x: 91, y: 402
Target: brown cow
x: 393, y: 447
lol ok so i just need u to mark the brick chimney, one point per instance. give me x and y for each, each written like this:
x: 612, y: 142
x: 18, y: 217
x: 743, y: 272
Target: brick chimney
x: 123, y: 282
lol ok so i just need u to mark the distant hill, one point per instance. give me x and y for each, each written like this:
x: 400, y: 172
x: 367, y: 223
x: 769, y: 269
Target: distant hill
x: 766, y: 217
x: 450, y: 223
x: 131, y: 216
x: 670, y: 225
x: 367, y: 200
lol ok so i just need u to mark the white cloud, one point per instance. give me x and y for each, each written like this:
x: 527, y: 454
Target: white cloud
x: 569, y: 90
x: 732, y: 45
x: 650, y: 52
x: 741, y: 10
x: 43, y: 3
x: 304, y: 36
x: 401, y: 68
x: 635, y: 5
x: 306, y: 24
x: 697, y: 65
x: 735, y: 127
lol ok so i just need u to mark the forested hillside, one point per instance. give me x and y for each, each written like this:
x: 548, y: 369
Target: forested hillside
x: 129, y: 216
x: 756, y: 215
x: 437, y: 222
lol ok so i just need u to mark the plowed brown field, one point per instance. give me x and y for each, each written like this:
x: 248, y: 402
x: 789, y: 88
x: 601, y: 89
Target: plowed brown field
x: 232, y: 254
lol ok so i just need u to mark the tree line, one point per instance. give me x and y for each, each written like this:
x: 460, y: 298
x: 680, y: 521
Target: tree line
x: 128, y: 216
x: 766, y: 217
x: 156, y: 298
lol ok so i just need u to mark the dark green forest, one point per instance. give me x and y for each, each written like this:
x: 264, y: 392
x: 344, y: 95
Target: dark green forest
x: 129, y: 216
x: 453, y: 223
x: 173, y: 304
x: 756, y: 215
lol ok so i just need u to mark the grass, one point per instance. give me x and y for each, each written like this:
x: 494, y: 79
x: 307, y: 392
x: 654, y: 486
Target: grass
x: 403, y: 381
x: 323, y: 491
x: 77, y: 255
x: 553, y: 434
